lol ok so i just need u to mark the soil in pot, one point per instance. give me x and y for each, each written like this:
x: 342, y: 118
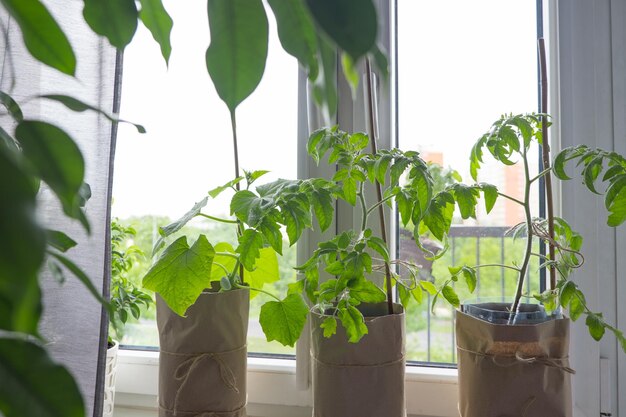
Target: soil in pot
x: 512, y: 369
x: 203, y: 357
x: 364, y: 379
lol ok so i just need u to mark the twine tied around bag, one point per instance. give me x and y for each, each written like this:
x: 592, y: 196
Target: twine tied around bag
x: 186, y: 368
x: 376, y: 365
x: 233, y: 413
x: 546, y: 361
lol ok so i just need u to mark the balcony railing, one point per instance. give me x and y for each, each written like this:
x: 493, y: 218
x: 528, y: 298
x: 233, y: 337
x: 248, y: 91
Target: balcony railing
x: 430, y: 336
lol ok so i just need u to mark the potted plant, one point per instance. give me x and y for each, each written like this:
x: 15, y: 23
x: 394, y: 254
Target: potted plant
x: 127, y: 300
x: 203, y: 289
x: 513, y: 358
x: 357, y: 330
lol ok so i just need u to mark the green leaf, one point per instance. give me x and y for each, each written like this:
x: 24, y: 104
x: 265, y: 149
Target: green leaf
x: 266, y: 271
x: 250, y: 244
x: 181, y: 273
x: 174, y: 227
x: 114, y: 19
x: 271, y: 231
x: 404, y: 294
x: 43, y: 37
x: 417, y: 294
x: 577, y: 305
x: 79, y: 106
x: 470, y: 278
x: 218, y: 190
x: 618, y: 209
x: 57, y: 160
x: 366, y: 291
x: 22, y: 248
x: 568, y: 291
x: 351, y: 24
x: 236, y: 56
x: 296, y: 32
x: 33, y: 384
x: 350, y: 72
x: 323, y: 206
x: 59, y: 240
x: 466, y: 198
x: 379, y: 246
x: 349, y: 190
x: 12, y: 107
x: 491, y: 195
x: 429, y: 287
x: 297, y: 216
x: 559, y: 164
x: 284, y: 320
x: 595, y: 325
x: 159, y: 23
x: 330, y: 326
x: 353, y: 322
x: 450, y: 295
x: 82, y: 277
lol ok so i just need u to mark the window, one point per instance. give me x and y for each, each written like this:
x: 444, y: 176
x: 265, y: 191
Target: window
x: 459, y: 65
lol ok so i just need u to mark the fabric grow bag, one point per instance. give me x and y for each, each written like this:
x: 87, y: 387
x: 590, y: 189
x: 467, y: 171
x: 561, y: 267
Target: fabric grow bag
x: 203, y: 357
x: 519, y: 370
x: 364, y: 379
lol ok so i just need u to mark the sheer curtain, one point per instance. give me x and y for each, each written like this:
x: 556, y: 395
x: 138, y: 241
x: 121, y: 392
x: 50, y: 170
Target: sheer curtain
x: 73, y: 322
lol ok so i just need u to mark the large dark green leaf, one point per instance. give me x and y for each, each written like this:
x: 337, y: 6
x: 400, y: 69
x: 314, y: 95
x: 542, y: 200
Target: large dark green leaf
x: 181, y: 273
x: 57, y: 160
x: 238, y: 50
x: 351, y: 24
x: 60, y: 240
x: 43, y: 37
x: 114, y: 19
x: 79, y: 106
x: 284, y: 320
x: 82, y: 277
x: 11, y: 105
x: 296, y: 32
x: 159, y: 23
x: 34, y: 385
x: 22, y: 248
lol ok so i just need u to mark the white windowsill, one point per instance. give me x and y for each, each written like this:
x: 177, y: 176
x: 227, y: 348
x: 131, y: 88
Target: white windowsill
x: 272, y: 388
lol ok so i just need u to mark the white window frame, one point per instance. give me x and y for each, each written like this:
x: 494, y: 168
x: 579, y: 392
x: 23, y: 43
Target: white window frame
x: 277, y: 389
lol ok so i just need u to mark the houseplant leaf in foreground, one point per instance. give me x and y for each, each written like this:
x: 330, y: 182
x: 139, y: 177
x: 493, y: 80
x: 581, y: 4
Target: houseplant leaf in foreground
x: 43, y: 37
x: 181, y: 273
x: 115, y: 19
x: 33, y: 385
x: 238, y: 50
x: 158, y: 21
x: 58, y: 161
x: 283, y: 320
x: 21, y: 248
x: 352, y: 24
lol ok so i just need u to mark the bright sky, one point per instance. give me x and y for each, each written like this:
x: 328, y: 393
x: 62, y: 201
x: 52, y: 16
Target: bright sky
x: 461, y: 64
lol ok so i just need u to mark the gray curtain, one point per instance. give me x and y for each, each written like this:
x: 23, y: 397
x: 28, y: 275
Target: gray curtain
x: 73, y: 322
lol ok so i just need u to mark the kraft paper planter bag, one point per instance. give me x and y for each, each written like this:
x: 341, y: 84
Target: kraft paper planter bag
x: 364, y: 379
x: 519, y: 370
x: 203, y: 358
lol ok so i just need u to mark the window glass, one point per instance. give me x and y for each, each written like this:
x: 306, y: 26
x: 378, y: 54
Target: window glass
x: 188, y: 148
x: 460, y: 66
